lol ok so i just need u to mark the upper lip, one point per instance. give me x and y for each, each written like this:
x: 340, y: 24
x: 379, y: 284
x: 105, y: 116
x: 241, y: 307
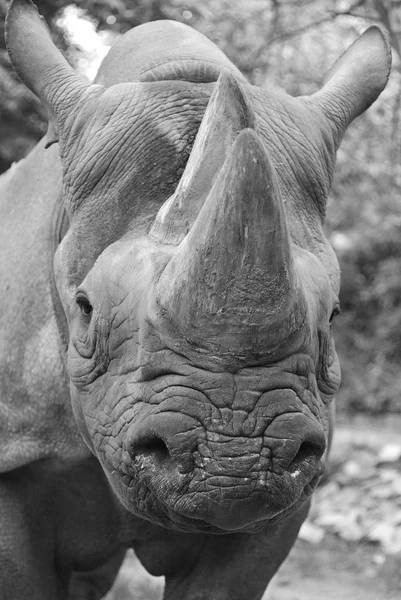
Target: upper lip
x: 196, y: 516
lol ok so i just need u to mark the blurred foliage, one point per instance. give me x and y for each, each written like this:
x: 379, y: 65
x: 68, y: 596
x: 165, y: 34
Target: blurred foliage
x: 289, y: 43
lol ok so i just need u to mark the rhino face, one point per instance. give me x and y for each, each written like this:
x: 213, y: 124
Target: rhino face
x: 201, y: 357
x: 191, y: 437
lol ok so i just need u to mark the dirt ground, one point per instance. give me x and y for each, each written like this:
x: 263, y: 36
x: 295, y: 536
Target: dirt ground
x: 336, y: 570
x: 331, y: 568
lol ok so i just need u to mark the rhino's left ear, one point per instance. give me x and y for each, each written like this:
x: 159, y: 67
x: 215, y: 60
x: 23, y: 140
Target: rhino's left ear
x: 356, y: 79
x: 40, y: 65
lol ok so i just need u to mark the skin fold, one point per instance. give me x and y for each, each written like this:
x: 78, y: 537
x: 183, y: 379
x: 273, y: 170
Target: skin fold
x: 167, y: 361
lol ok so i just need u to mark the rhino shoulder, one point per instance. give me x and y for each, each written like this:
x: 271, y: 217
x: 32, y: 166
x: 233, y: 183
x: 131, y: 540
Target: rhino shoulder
x: 36, y: 420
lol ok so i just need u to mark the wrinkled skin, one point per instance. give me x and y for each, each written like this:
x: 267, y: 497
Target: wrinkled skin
x: 202, y: 390
x: 124, y: 365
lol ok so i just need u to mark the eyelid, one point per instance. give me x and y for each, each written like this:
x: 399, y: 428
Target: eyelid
x: 81, y: 294
x: 82, y: 297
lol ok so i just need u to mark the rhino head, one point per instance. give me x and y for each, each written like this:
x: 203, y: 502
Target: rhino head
x: 199, y: 301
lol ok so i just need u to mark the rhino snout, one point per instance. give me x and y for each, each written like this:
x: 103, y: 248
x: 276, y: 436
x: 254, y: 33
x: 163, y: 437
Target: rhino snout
x: 259, y: 476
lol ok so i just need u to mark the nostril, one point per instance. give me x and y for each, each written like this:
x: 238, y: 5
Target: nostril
x: 166, y: 440
x: 306, y: 451
x: 154, y: 447
x: 300, y: 443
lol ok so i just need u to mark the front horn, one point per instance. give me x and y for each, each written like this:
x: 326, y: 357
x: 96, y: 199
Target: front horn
x: 232, y: 285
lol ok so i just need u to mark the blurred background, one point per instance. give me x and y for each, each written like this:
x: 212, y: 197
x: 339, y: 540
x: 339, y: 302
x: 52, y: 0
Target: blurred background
x: 292, y: 44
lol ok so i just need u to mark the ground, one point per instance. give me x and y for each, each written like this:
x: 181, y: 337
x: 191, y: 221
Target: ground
x: 350, y: 547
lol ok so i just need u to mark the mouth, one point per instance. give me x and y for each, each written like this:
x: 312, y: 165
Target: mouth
x: 240, y: 522
x: 175, y: 505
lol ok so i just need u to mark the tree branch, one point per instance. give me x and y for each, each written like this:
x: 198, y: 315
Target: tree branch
x: 255, y: 56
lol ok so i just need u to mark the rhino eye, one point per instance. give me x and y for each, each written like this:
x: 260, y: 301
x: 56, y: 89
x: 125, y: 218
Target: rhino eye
x: 84, y: 305
x: 336, y: 311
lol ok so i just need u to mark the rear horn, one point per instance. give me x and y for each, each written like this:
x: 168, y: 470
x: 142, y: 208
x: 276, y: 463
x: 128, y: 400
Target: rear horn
x: 227, y: 113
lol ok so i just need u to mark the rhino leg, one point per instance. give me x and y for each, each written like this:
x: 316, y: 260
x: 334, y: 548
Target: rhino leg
x: 94, y: 585
x: 26, y: 540
x: 236, y: 566
x: 57, y: 518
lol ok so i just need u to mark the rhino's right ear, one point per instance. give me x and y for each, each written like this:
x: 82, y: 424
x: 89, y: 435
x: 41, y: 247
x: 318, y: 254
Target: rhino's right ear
x: 356, y: 79
x: 40, y: 65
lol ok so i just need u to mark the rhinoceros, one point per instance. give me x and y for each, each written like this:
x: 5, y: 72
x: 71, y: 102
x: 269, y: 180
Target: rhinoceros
x: 167, y: 360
